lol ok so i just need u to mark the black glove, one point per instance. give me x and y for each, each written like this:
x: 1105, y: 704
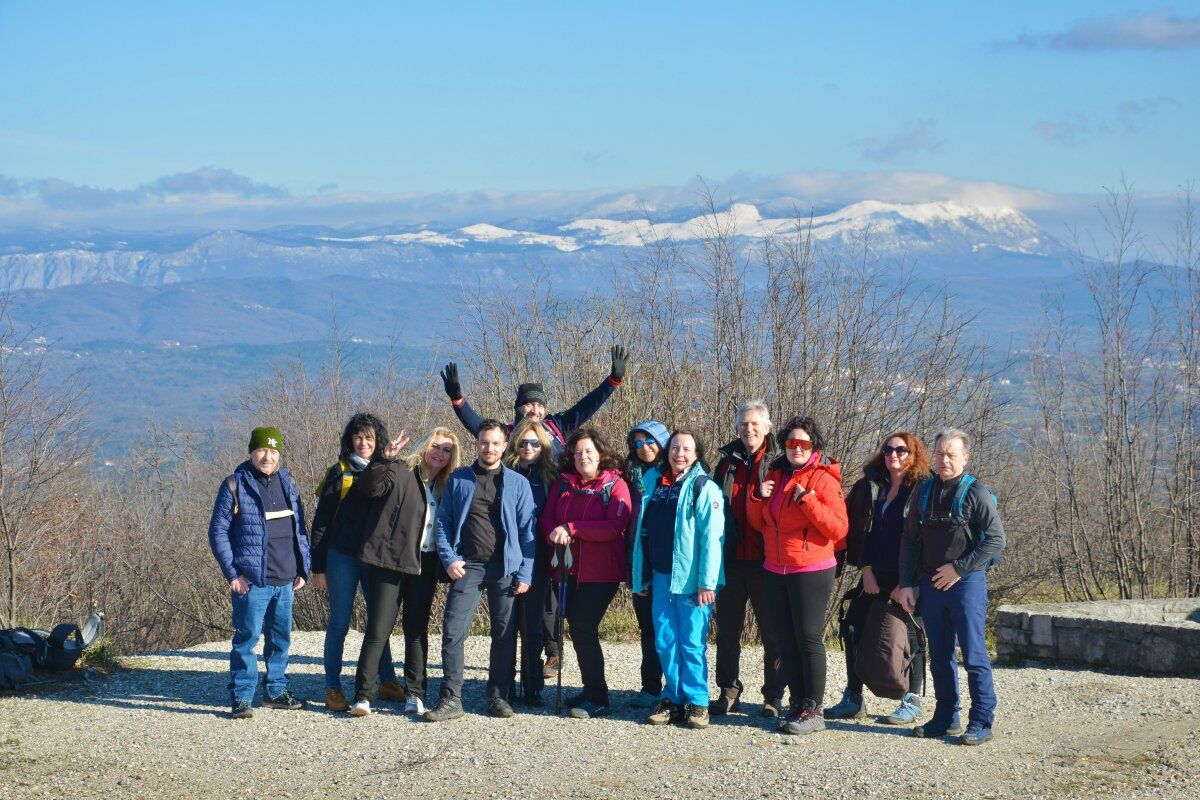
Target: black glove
x: 450, y: 381
x: 620, y: 359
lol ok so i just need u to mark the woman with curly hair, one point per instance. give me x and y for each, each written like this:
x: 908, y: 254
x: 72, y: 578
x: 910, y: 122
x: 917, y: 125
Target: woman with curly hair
x: 585, y: 519
x: 876, y: 509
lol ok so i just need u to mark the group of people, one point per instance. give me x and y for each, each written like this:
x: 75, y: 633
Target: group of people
x: 549, y: 518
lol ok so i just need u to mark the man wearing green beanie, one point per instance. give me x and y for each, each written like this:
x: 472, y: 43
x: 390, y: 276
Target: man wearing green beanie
x: 258, y: 537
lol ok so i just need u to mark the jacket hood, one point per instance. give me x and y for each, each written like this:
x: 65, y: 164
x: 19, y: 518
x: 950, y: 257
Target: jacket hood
x: 657, y: 431
x: 605, y: 476
x: 830, y: 465
x: 875, y: 474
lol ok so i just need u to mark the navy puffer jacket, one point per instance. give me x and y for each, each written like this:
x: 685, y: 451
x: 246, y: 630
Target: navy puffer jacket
x: 239, y: 541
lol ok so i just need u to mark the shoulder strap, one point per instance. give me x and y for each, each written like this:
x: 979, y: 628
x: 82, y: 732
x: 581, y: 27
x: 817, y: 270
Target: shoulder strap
x: 60, y: 634
x: 924, y: 493
x: 698, y: 487
x: 231, y: 483
x: 347, y: 479
x: 964, y: 486
x: 325, y: 480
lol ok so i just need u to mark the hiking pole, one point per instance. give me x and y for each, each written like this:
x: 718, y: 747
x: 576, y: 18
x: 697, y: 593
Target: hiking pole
x: 561, y: 564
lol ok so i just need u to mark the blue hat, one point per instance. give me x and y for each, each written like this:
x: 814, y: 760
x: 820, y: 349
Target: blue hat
x: 657, y: 431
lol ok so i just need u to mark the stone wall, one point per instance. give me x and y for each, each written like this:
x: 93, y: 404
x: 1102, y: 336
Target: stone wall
x: 1159, y: 637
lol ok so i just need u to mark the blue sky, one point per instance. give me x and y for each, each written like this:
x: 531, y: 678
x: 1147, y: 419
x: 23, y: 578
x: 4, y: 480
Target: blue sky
x: 311, y: 98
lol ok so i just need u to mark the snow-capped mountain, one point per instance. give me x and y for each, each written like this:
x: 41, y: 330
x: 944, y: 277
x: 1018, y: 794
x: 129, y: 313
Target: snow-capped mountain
x: 925, y: 230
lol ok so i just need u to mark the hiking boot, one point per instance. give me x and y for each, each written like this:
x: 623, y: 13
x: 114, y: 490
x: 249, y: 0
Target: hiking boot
x: 361, y: 707
x: 414, y: 705
x: 695, y: 716
x: 499, y: 707
x: 728, y: 702
x: 448, y: 707
x: 575, y: 700
x: 976, y: 734
x: 550, y: 670
x: 848, y: 707
x: 807, y: 718
x: 932, y: 730
x: 771, y: 708
x: 644, y: 700
x: 665, y: 713
x: 907, y: 713
x: 589, y: 710
x: 392, y: 690
x: 241, y: 710
x: 284, y: 700
x: 335, y: 700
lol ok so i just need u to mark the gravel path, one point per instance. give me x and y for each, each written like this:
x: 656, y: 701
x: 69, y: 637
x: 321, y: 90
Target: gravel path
x: 159, y: 730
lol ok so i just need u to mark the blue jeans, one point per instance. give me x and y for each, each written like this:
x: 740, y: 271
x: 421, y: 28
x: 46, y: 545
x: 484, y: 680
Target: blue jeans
x: 344, y: 574
x: 263, y: 611
x: 958, y: 613
x: 681, y: 639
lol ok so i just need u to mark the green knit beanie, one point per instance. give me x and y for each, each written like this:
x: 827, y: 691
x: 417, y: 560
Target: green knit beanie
x: 266, y: 437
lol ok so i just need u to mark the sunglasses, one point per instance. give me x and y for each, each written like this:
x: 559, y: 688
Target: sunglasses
x: 640, y: 443
x: 534, y: 443
x: 803, y: 444
x: 900, y: 450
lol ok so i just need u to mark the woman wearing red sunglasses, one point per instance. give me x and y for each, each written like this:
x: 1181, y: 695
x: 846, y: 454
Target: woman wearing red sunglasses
x: 801, y: 511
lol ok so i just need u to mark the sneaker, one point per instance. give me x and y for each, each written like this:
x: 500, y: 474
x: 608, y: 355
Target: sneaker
x: 907, y: 713
x: 727, y: 703
x: 931, y: 730
x: 847, y: 708
x: 976, y: 734
x: 695, y: 716
x: 335, y: 700
x: 241, y: 710
x: 644, y: 700
x: 499, y: 707
x: 575, y: 700
x: 550, y: 670
x: 665, y: 713
x: 284, y: 700
x: 392, y: 690
x: 361, y: 708
x: 414, y: 705
x: 771, y: 708
x: 589, y: 710
x: 448, y: 707
x: 808, y: 718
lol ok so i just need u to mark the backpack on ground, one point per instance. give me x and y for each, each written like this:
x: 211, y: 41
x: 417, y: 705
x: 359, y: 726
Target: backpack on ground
x: 924, y: 493
x: 883, y: 655
x: 16, y: 663
x: 57, y: 650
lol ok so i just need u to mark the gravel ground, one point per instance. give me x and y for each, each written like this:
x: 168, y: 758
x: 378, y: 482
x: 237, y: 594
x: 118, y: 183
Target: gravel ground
x: 159, y: 730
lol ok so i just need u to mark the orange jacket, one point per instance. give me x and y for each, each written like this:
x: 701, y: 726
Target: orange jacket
x: 801, y: 534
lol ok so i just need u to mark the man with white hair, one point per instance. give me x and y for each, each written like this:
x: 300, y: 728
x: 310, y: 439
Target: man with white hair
x: 951, y: 535
x: 743, y: 465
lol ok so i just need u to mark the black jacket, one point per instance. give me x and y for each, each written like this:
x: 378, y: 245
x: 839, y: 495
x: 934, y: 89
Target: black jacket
x: 395, y: 521
x: 860, y: 508
x: 338, y: 523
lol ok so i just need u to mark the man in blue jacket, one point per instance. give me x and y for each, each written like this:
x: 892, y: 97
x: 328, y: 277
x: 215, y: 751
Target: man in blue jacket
x: 531, y: 402
x: 258, y: 537
x: 485, y: 527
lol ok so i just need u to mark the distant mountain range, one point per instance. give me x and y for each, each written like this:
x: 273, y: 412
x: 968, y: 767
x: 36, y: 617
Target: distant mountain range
x: 121, y: 303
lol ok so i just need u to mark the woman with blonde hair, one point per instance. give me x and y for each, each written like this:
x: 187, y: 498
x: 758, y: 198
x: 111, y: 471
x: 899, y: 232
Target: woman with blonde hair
x: 400, y: 555
x: 531, y: 453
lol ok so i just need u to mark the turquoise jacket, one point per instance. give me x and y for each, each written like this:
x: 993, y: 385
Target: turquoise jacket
x: 699, y: 535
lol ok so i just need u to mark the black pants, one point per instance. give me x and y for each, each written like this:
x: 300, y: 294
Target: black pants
x: 586, y: 604
x: 387, y: 592
x: 535, y: 613
x: 461, y: 602
x: 652, y: 675
x: 856, y: 617
x: 744, y: 584
x: 798, y: 602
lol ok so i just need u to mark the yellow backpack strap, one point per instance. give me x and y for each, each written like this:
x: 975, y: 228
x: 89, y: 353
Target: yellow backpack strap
x: 328, y: 477
x: 347, y: 479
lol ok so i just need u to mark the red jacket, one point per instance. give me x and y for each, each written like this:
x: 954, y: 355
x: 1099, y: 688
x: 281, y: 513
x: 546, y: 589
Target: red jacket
x: 597, y: 530
x: 809, y: 532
